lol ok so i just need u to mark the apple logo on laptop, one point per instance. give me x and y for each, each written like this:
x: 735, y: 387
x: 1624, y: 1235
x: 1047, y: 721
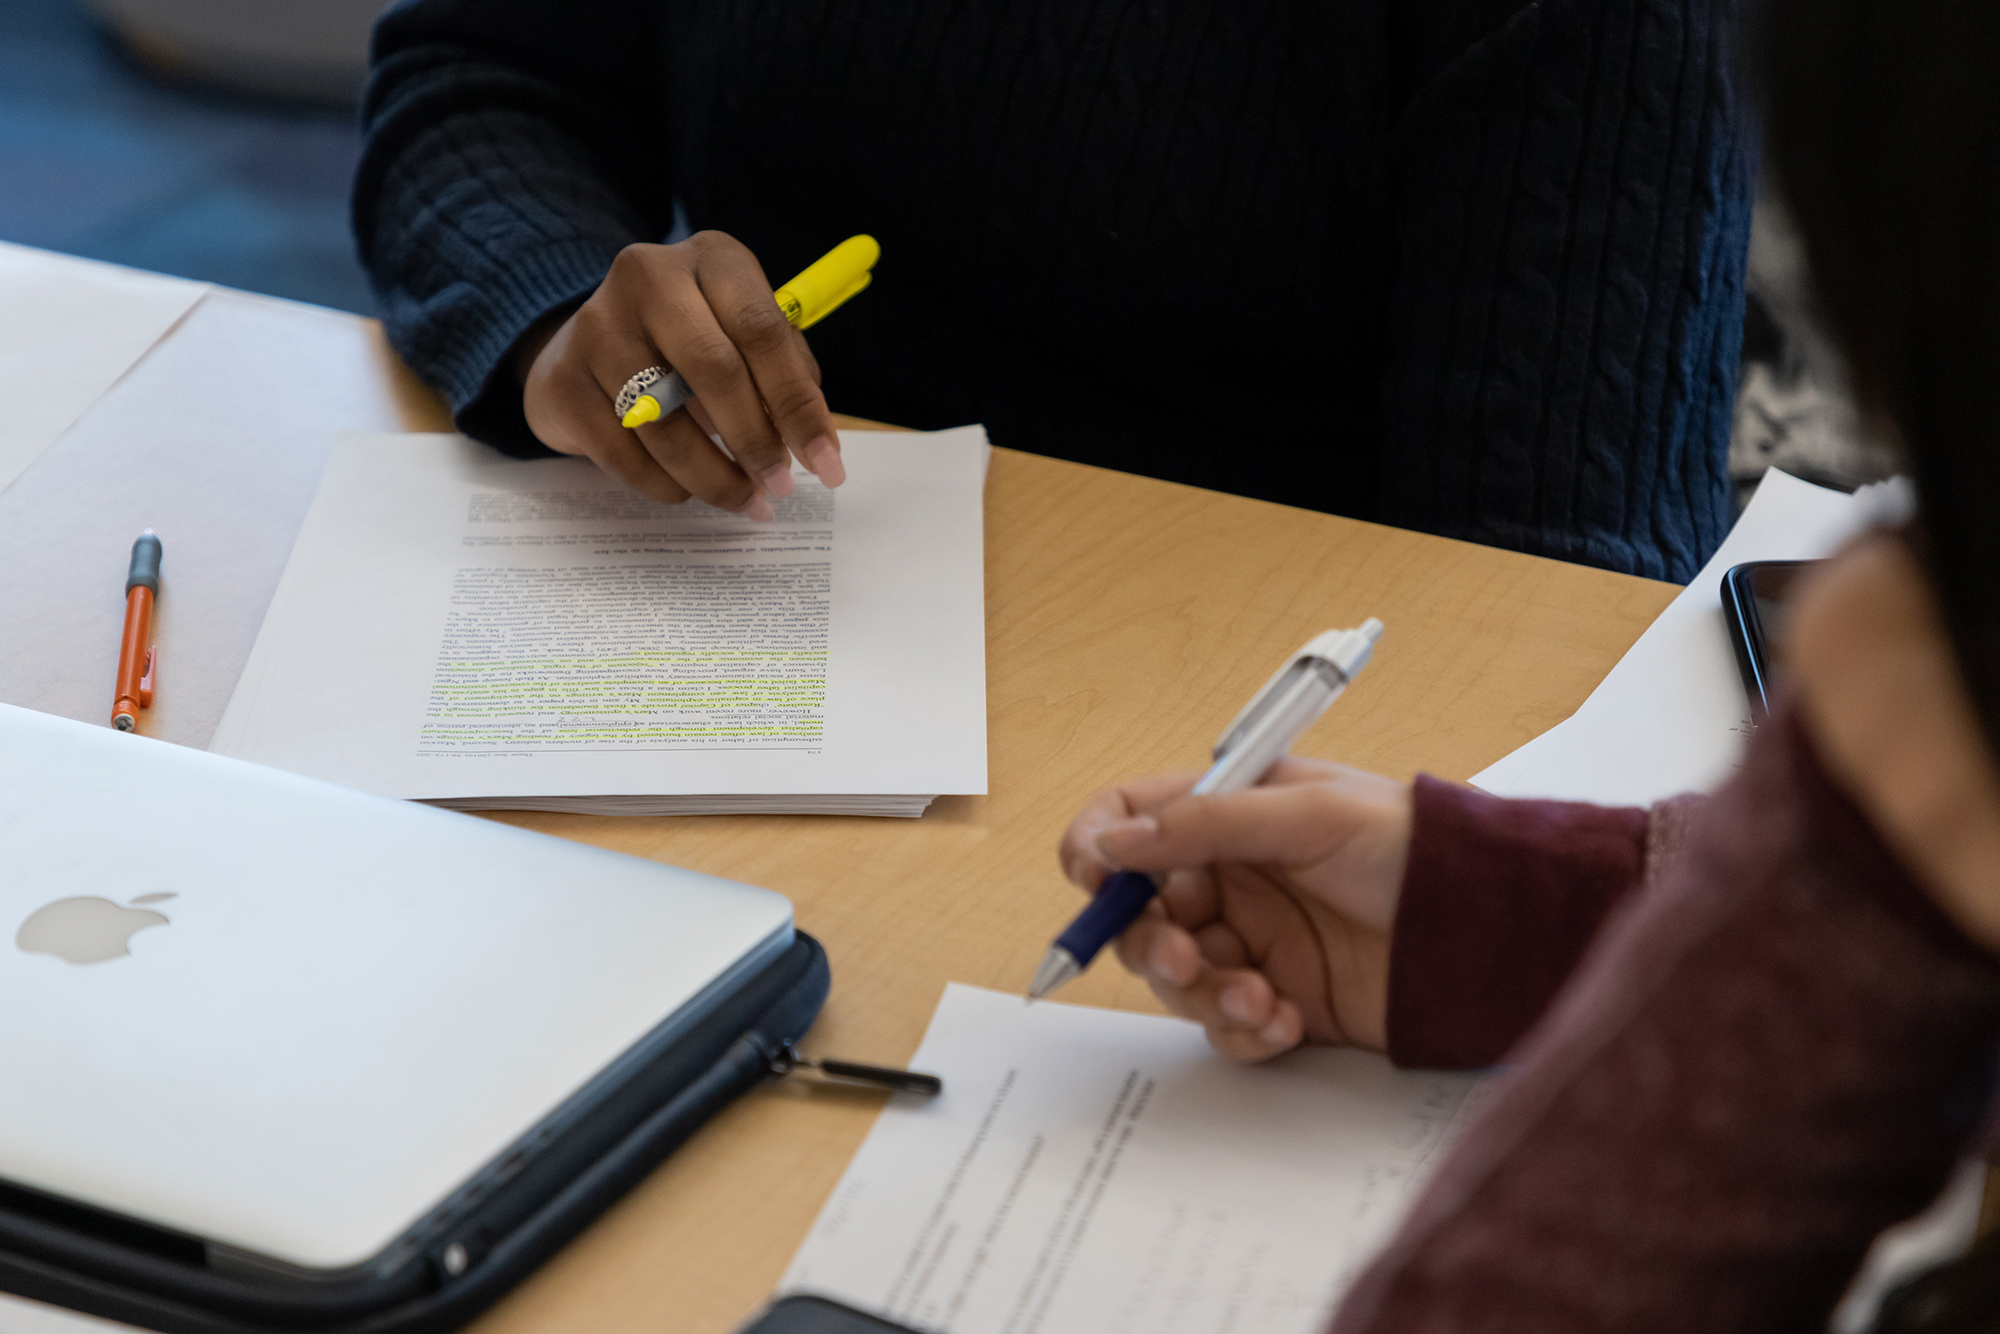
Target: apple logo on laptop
x: 87, y: 930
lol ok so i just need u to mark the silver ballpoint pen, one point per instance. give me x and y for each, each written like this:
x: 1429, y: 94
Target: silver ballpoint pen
x: 1290, y: 702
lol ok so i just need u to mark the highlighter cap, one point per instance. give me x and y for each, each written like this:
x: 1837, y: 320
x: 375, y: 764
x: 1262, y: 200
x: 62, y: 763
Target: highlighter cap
x: 831, y: 280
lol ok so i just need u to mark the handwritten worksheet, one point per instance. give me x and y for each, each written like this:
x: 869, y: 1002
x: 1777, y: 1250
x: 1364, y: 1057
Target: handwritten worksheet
x: 1100, y: 1172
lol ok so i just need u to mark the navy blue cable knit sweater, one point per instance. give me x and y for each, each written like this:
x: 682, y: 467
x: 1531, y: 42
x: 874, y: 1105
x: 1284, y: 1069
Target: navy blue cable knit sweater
x: 1469, y: 266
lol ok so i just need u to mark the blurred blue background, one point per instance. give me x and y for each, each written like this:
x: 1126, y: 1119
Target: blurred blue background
x: 103, y: 156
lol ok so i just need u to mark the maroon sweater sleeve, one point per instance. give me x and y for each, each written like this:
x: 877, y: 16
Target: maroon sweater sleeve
x: 1499, y: 902
x: 1776, y: 1051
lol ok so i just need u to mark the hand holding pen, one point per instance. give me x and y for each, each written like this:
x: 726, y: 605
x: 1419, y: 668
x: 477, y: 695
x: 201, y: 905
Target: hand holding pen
x: 1271, y: 923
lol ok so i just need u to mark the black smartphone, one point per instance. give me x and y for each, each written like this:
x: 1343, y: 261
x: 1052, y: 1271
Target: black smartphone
x: 1756, y: 601
x: 817, y: 1315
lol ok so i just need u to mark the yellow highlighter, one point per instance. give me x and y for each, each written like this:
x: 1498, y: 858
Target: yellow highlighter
x: 823, y: 288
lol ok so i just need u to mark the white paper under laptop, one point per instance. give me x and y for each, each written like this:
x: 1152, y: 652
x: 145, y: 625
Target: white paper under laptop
x: 456, y: 626
x: 334, y: 1009
x: 71, y: 328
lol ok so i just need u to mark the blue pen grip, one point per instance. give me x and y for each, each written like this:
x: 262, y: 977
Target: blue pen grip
x: 1120, y: 900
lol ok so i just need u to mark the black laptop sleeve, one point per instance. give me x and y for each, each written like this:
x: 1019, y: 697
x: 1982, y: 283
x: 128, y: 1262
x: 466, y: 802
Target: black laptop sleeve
x: 468, y: 1253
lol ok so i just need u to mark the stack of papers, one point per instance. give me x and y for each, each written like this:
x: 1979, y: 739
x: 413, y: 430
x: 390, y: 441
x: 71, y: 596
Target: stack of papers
x: 480, y: 632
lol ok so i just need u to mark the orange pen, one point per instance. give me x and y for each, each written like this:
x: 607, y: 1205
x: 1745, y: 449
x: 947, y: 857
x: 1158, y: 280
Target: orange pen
x: 137, y: 656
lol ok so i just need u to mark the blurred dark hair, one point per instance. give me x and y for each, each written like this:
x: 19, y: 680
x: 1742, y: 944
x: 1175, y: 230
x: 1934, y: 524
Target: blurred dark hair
x: 1883, y: 135
x: 1882, y: 130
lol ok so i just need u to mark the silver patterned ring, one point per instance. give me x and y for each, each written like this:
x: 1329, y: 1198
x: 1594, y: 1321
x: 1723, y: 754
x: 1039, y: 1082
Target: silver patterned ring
x: 636, y: 386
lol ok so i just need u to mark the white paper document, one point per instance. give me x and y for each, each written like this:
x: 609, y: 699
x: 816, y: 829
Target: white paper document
x: 1100, y: 1172
x: 212, y: 443
x: 1672, y: 716
x: 69, y: 328
x: 459, y: 627
x: 18, y: 1315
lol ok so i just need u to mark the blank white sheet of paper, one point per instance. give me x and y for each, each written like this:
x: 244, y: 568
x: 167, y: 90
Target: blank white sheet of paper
x: 225, y: 484
x: 458, y: 626
x: 18, y: 1315
x: 1672, y: 717
x: 72, y: 328
x: 1101, y: 1172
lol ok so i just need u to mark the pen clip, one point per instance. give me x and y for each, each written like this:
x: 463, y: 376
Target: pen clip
x: 1345, y: 651
x: 788, y: 1060
x: 146, y: 677
x: 835, y: 302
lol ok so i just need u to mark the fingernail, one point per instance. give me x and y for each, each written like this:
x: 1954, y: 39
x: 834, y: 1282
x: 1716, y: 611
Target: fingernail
x: 777, y: 480
x: 1157, y: 964
x: 823, y: 457
x: 1273, y: 1034
x: 1131, y: 835
x: 759, y: 508
x: 1235, y: 1005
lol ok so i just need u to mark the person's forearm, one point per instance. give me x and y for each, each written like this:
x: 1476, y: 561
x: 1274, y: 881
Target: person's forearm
x: 1777, y: 1052
x: 1499, y: 902
x: 535, y: 339
x: 505, y: 167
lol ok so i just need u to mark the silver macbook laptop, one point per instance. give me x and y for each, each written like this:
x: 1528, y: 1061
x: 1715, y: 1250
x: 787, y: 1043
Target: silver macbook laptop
x: 286, y: 1019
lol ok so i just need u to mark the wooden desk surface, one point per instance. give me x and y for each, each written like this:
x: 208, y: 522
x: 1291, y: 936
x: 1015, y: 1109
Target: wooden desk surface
x: 1127, y: 620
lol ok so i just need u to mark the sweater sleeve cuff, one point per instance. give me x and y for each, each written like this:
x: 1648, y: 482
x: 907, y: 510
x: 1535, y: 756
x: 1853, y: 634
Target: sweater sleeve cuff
x: 472, y: 364
x: 1499, y: 902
